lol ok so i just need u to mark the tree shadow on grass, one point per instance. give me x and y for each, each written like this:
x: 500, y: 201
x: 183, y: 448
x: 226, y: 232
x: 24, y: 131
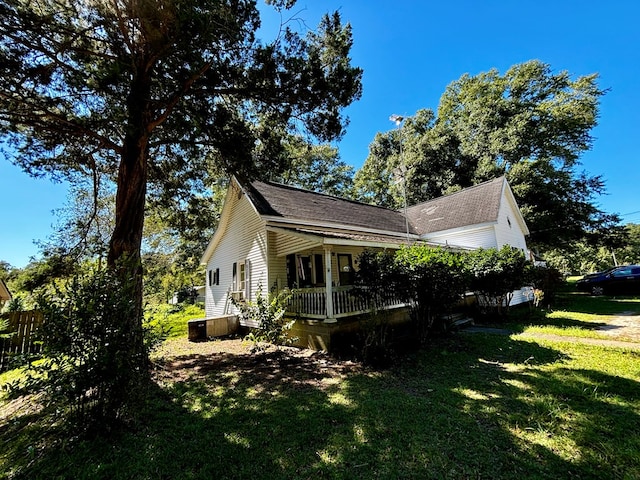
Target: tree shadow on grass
x: 560, y: 322
x: 599, y: 305
x: 458, y: 409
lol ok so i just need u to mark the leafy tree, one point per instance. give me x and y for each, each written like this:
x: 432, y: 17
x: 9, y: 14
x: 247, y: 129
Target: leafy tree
x: 630, y: 253
x: 161, y: 95
x: 5, y: 270
x: 317, y: 168
x: 84, y: 223
x: 42, y: 273
x: 529, y: 124
x: 414, y: 154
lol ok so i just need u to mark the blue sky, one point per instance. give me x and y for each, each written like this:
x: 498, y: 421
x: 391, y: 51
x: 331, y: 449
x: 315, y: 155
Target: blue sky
x: 410, y: 51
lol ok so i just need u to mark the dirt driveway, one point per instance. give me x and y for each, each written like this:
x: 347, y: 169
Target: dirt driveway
x: 625, y: 326
x: 621, y: 330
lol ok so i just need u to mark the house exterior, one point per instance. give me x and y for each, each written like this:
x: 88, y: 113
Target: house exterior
x: 5, y: 294
x: 274, y: 236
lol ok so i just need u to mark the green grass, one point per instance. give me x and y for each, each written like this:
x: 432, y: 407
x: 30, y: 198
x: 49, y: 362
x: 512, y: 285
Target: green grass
x: 173, y: 318
x: 578, y: 332
x: 574, y: 314
x: 469, y: 406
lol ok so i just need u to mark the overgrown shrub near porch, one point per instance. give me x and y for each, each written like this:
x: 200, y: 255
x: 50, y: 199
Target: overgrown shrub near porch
x: 267, y: 311
x: 430, y: 280
x: 378, y: 277
x: 434, y: 280
x: 494, y: 274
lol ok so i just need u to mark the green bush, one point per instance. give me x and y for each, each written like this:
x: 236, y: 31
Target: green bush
x: 431, y: 280
x: 434, y: 280
x: 546, y: 281
x: 494, y: 275
x: 268, y: 313
x: 376, y: 280
x: 90, y: 369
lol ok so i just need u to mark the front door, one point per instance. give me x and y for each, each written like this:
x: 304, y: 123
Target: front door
x: 304, y: 271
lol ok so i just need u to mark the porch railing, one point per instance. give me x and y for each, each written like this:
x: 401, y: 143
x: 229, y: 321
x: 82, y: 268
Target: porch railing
x: 312, y: 302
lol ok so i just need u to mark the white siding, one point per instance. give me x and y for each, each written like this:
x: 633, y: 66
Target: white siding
x: 509, y: 232
x: 277, y: 265
x: 245, y: 239
x: 484, y: 237
x: 286, y: 244
x: 508, y: 229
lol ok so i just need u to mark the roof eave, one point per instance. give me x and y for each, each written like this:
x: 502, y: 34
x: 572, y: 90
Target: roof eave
x: 284, y: 222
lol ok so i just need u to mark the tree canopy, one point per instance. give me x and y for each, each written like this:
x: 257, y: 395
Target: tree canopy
x: 530, y: 124
x: 162, y: 96
x: 315, y: 167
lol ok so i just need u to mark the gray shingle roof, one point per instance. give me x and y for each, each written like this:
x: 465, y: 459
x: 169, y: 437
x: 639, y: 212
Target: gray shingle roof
x: 472, y: 206
x: 292, y: 203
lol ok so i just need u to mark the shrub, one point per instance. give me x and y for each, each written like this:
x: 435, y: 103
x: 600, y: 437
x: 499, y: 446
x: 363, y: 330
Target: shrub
x: 90, y: 369
x: 187, y: 295
x: 431, y: 280
x: 494, y: 275
x: 375, y: 281
x: 267, y: 312
x: 546, y: 282
x: 434, y: 280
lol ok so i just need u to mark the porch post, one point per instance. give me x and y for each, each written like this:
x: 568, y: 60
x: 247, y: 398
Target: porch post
x: 328, y: 286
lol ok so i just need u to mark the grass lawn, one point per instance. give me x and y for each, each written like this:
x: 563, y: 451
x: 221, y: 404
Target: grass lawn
x: 577, y: 315
x: 174, y: 318
x: 468, y: 406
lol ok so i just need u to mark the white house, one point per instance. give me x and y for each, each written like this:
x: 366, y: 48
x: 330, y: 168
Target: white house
x: 5, y: 294
x: 276, y: 236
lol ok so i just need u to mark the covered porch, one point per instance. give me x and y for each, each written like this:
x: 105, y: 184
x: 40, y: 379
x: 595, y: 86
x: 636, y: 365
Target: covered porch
x: 320, y: 267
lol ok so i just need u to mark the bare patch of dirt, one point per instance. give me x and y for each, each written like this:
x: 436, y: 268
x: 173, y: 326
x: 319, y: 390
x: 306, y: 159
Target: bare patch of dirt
x: 625, y: 326
x: 179, y: 360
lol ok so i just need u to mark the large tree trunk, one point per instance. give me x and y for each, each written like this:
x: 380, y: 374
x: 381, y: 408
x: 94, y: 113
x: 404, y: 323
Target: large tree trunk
x: 124, y: 257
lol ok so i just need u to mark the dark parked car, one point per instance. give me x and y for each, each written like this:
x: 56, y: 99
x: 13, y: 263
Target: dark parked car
x: 623, y: 280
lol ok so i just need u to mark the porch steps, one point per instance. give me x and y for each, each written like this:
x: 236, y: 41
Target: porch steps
x: 457, y: 321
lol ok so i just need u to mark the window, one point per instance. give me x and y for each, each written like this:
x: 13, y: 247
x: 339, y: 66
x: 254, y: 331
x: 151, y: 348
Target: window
x: 345, y: 269
x: 242, y: 278
x: 239, y: 276
x: 234, y: 277
x: 214, y: 277
x: 304, y: 271
x: 622, y: 272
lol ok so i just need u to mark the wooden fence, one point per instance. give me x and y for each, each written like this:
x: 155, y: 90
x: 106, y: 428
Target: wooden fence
x: 23, y: 326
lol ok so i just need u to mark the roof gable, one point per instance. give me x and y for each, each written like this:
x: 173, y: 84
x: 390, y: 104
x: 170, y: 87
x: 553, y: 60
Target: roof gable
x: 476, y: 205
x: 5, y: 294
